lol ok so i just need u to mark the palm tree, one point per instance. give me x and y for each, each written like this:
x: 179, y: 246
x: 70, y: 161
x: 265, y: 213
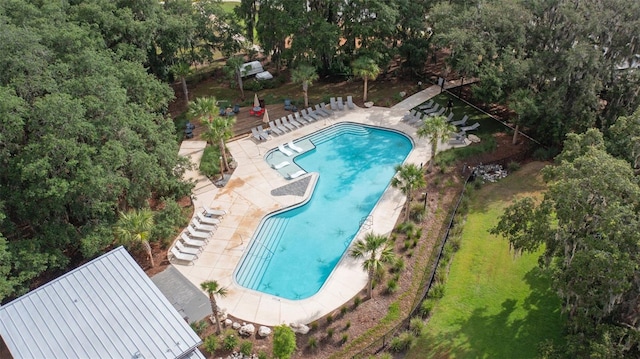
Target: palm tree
x: 437, y: 129
x: 408, y: 178
x: 377, y: 252
x: 367, y: 69
x: 134, y: 228
x: 233, y: 69
x: 213, y: 288
x: 218, y: 129
x: 304, y: 74
x: 182, y: 70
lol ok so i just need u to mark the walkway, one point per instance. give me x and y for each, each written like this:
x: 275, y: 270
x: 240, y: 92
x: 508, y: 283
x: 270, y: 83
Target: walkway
x: 248, y: 197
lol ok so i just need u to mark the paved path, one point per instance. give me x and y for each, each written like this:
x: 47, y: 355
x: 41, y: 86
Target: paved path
x: 248, y: 197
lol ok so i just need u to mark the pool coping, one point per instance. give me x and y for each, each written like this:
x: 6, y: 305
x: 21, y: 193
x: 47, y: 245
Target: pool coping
x: 247, y: 199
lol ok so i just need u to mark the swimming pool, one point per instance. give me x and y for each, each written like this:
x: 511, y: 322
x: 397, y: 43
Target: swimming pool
x: 294, y: 251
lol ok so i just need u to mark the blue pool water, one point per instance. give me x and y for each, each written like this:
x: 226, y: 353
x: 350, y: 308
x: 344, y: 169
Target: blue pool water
x: 294, y: 251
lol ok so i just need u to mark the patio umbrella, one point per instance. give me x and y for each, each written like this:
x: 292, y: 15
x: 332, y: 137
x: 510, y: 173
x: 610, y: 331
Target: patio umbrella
x: 256, y: 103
x: 265, y: 119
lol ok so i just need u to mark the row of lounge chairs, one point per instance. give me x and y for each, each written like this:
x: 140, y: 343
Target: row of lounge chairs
x: 338, y: 104
x: 291, y: 122
x: 431, y: 109
x: 189, y: 246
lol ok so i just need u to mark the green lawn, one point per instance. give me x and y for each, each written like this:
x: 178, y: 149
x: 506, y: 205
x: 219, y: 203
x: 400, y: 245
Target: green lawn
x: 495, y: 305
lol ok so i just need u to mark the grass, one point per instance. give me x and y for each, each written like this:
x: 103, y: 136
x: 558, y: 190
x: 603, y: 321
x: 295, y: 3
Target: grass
x: 495, y: 305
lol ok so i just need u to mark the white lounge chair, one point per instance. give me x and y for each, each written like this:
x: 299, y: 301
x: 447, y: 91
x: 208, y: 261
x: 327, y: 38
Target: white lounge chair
x: 263, y: 133
x: 195, y: 234
x: 324, y: 108
x: 275, y: 129
x: 306, y: 116
x: 176, y: 254
x: 213, y: 212
x: 187, y: 250
x: 350, y: 104
x: 207, y: 220
x: 280, y: 165
x: 439, y: 112
x: 294, y: 147
x: 282, y: 127
x: 426, y: 106
x: 340, y: 104
x: 188, y: 241
x: 432, y: 110
x: 255, y: 134
x: 334, y: 103
x: 286, y: 122
x: 321, y: 112
x: 295, y: 174
x: 301, y: 119
x: 210, y: 228
x: 450, y: 117
x: 293, y: 121
x: 313, y: 114
x: 461, y: 122
x: 284, y: 151
x: 409, y: 115
x: 470, y: 128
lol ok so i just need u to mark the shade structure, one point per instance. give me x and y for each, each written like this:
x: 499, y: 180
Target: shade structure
x: 256, y: 103
x: 265, y: 119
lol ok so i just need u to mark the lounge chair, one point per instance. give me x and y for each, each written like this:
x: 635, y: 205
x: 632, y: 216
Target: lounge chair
x: 458, y: 140
x: 426, y: 106
x: 275, y: 129
x: 187, y: 250
x: 282, y: 127
x: 334, y: 104
x: 295, y: 174
x: 195, y: 234
x: 321, y: 112
x: 323, y: 107
x: 409, y: 115
x: 313, y: 114
x: 439, y: 112
x: 285, y: 121
x: 432, y: 110
x: 176, y: 254
x: 206, y: 220
x: 300, y: 119
x: 280, y: 165
x: 350, y: 104
x: 262, y: 132
x: 213, y: 212
x: 192, y: 242
x: 340, y: 104
x: 294, y: 147
x: 419, y: 120
x: 293, y: 121
x: 450, y: 117
x: 470, y: 128
x: 209, y: 228
x: 306, y: 116
x: 284, y: 151
x: 256, y: 134
x: 461, y: 122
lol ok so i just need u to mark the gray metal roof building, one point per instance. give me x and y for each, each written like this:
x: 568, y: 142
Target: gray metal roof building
x: 107, y: 308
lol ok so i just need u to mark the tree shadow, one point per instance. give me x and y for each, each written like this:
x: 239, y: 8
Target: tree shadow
x: 501, y: 336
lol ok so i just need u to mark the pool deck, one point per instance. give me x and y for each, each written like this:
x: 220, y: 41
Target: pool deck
x: 247, y: 198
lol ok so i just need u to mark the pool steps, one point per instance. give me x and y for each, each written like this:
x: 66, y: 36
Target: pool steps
x: 260, y: 253
x: 331, y: 132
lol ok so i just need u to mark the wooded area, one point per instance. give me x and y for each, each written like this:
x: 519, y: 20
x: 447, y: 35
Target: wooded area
x: 85, y: 136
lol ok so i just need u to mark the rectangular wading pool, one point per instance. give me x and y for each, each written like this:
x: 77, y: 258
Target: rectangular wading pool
x: 294, y: 251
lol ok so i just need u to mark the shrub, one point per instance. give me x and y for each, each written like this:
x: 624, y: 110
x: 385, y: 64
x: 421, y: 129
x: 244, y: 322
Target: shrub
x: 211, y: 343
x: 330, y: 332
x: 347, y: 325
x: 392, y: 286
x: 314, y: 326
x: 406, y: 227
x: 426, y: 307
x: 230, y: 341
x: 210, y: 162
x: 284, y: 342
x: 312, y: 343
x: 357, y: 301
x: 253, y: 85
x: 398, y: 265
x: 407, y: 244
x: 199, y: 326
x: 417, y: 212
x: 513, y: 166
x: 393, y: 237
x: 246, y: 347
x: 436, y: 291
x: 344, y: 338
x: 543, y: 154
x: 344, y: 310
x: 262, y: 355
x: 167, y: 221
x: 329, y: 319
x: 402, y: 342
x: 417, y: 325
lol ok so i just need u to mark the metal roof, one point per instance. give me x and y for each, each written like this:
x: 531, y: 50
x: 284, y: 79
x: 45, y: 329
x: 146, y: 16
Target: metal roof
x: 107, y: 308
